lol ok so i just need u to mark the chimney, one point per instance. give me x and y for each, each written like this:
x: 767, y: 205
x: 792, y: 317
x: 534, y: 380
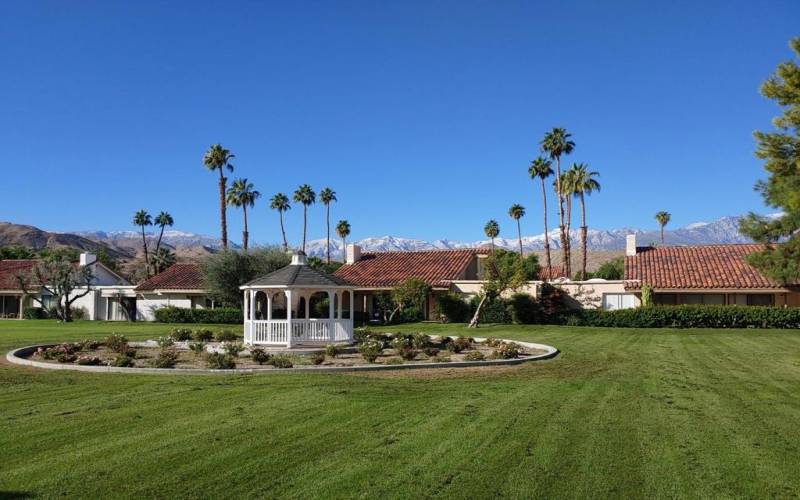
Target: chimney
x: 353, y: 254
x: 87, y: 259
x: 630, y: 245
x: 299, y: 258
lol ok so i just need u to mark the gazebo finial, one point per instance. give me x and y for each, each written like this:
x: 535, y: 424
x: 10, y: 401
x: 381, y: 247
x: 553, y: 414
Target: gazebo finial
x: 299, y: 258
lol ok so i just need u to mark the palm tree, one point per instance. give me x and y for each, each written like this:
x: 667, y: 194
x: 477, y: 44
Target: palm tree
x: 142, y: 219
x: 556, y: 143
x: 343, y: 230
x: 162, y: 259
x: 218, y: 158
x: 541, y: 168
x: 163, y: 219
x: 516, y: 212
x: 663, y: 218
x: 280, y: 202
x: 242, y: 194
x: 568, y: 190
x: 492, y: 230
x: 583, y: 183
x: 327, y: 196
x: 306, y: 196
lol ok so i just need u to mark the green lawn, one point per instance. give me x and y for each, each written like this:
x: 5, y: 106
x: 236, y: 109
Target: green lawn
x: 620, y: 413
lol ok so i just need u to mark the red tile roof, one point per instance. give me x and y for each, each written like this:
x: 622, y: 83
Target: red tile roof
x: 551, y: 273
x: 176, y: 277
x: 10, y: 269
x: 695, y: 267
x: 387, y: 269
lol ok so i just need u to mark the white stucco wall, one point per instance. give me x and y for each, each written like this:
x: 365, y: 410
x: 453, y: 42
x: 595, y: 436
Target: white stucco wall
x: 148, y: 304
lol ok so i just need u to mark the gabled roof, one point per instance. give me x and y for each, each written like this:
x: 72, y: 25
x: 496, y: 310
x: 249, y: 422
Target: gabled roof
x: 695, y: 267
x: 387, y: 269
x: 11, y: 268
x: 299, y: 276
x: 175, y: 277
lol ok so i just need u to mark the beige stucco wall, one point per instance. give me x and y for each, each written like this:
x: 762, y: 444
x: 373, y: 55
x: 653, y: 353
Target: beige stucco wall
x: 589, y: 294
x: 470, y: 288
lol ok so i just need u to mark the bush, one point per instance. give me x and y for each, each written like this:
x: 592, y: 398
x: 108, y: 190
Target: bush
x: 281, y: 361
x: 507, y: 350
x: 225, y: 336
x: 420, y: 340
x: 221, y: 315
x: 88, y: 360
x: 408, y: 353
x: 181, y: 334
x: 523, y: 309
x: 442, y: 358
x: 79, y: 313
x: 431, y: 351
x: 164, y: 342
x: 259, y: 355
x: 203, y: 335
x: 451, y: 308
x: 167, y: 358
x: 89, y: 345
x: 492, y: 342
x: 474, y: 356
x: 232, y: 348
x: 494, y: 311
x: 393, y: 361
x: 317, y: 358
x: 123, y: 361
x: 459, y: 344
x: 332, y: 350
x: 220, y: 361
x: 370, y: 350
x: 401, y: 342
x: 34, y: 313
x: 116, y: 342
x: 197, y: 348
x: 686, y: 316
x: 63, y: 353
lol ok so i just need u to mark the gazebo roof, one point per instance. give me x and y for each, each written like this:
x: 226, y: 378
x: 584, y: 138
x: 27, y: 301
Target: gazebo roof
x: 298, y: 274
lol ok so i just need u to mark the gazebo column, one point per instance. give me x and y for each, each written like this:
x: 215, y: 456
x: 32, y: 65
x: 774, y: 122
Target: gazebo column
x: 331, y: 316
x: 269, y: 306
x: 341, y: 298
x: 288, y: 294
x: 251, y: 310
x: 307, y: 308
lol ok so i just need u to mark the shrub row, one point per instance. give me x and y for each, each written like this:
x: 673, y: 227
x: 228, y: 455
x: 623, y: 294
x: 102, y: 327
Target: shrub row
x: 685, y: 316
x: 226, y: 315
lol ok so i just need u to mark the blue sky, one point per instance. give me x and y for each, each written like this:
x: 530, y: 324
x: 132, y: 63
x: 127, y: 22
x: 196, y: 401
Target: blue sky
x: 423, y: 116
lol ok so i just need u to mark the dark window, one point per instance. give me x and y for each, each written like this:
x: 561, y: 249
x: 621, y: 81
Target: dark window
x: 760, y: 299
x: 665, y: 299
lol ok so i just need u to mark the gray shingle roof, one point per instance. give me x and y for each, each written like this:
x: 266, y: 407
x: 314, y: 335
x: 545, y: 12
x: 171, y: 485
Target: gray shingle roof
x: 299, y: 276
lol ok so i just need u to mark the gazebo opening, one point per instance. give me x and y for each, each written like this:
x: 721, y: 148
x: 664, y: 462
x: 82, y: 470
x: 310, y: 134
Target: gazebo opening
x: 298, y: 305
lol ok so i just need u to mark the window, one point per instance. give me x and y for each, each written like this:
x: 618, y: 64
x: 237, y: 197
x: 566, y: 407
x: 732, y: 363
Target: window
x: 665, y: 299
x: 760, y: 299
x: 612, y: 301
x: 708, y: 299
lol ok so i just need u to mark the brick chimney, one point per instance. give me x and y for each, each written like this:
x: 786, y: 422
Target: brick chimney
x: 353, y: 254
x: 630, y: 245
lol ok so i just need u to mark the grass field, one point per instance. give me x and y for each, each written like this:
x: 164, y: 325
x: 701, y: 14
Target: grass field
x: 619, y: 413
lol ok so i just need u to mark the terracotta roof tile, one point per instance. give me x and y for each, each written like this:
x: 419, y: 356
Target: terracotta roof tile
x: 387, y: 269
x: 695, y: 267
x: 551, y: 273
x: 176, y: 277
x: 10, y: 269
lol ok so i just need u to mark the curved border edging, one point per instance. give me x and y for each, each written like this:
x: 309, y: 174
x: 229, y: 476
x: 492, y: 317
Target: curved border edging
x: 15, y: 356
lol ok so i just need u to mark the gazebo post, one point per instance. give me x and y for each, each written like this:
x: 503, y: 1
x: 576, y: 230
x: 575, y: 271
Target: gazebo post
x: 269, y: 306
x: 288, y: 294
x: 307, y: 308
x: 246, y: 316
x: 251, y: 310
x: 331, y: 316
x: 341, y: 298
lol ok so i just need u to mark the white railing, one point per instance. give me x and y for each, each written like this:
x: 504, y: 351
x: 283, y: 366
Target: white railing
x: 317, y: 331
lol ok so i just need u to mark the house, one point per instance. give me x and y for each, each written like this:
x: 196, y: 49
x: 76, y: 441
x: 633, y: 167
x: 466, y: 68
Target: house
x: 111, y: 296
x: 703, y: 274
x: 180, y: 285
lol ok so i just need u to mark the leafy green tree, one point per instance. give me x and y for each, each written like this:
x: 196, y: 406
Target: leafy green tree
x: 556, y: 144
x: 780, y: 150
x: 226, y: 271
x: 582, y: 183
x: 516, y: 212
x: 242, y: 194
x: 280, y: 202
x: 541, y: 168
x: 163, y: 219
x: 17, y: 252
x: 327, y: 196
x: 613, y: 269
x: 412, y: 292
x: 57, y: 275
x: 219, y: 158
x: 492, y: 230
x: 343, y: 231
x: 305, y: 195
x: 142, y: 219
x: 663, y: 218
x: 501, y: 274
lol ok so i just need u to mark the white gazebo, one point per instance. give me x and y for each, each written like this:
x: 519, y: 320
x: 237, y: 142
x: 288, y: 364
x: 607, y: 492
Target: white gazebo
x: 278, y: 307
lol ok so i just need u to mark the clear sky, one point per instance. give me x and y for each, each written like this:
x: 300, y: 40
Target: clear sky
x: 423, y: 116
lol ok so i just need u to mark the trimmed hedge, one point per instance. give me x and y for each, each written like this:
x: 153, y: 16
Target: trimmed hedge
x: 224, y: 315
x: 685, y: 316
x: 34, y: 313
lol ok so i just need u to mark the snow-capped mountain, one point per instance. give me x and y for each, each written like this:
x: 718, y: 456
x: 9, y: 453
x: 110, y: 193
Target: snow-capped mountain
x: 171, y: 238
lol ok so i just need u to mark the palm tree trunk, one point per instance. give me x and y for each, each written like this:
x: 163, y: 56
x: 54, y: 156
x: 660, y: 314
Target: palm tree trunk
x: 567, y: 228
x: 546, y: 236
x: 223, y: 219
x: 562, y: 234
x: 158, y: 243
x: 245, y: 234
x: 146, y: 256
x: 283, y: 233
x: 519, y: 236
x: 492, y: 245
x: 583, y: 239
x: 328, y: 225
x: 344, y: 250
x: 305, y: 221
x: 662, y: 235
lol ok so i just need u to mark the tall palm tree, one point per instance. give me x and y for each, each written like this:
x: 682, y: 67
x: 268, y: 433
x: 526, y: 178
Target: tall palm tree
x: 163, y: 219
x: 242, y: 194
x: 583, y: 183
x: 568, y: 190
x: 219, y: 158
x: 557, y: 143
x: 541, y: 168
x: 492, y: 230
x: 305, y: 195
x: 663, y: 218
x: 516, y: 212
x: 280, y: 202
x: 327, y: 196
x: 142, y: 219
x: 343, y: 230
x: 162, y: 259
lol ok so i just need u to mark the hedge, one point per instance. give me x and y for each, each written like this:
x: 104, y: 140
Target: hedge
x: 227, y: 315
x: 685, y: 316
x: 34, y: 313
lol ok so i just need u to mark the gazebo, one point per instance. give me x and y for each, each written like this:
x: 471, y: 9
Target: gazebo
x: 278, y: 307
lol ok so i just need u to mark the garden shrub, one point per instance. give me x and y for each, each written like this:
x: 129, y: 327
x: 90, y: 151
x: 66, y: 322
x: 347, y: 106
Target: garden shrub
x: 686, y: 316
x: 90, y: 345
x: 221, y: 315
x: 332, y: 350
x: 203, y: 335
x: 393, y: 361
x: 34, y: 313
x: 87, y: 360
x: 494, y: 311
x: 197, y: 348
x: 420, y: 340
x: 225, y: 336
x: 492, y: 342
x: 442, y: 358
x: 259, y: 355
x: 370, y: 350
x: 451, y: 308
x: 408, y: 353
x: 123, y: 361
x: 431, y: 351
x: 181, y: 334
x: 317, y: 358
x: 507, y: 350
x: 167, y: 358
x: 474, y: 356
x: 281, y: 361
x: 232, y: 348
x: 400, y: 342
x: 63, y: 353
x: 460, y: 344
x: 220, y: 361
x: 523, y: 309
x: 79, y: 313
x: 164, y: 342
x: 116, y: 342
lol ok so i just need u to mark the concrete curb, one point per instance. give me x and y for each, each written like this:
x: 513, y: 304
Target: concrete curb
x: 18, y: 357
